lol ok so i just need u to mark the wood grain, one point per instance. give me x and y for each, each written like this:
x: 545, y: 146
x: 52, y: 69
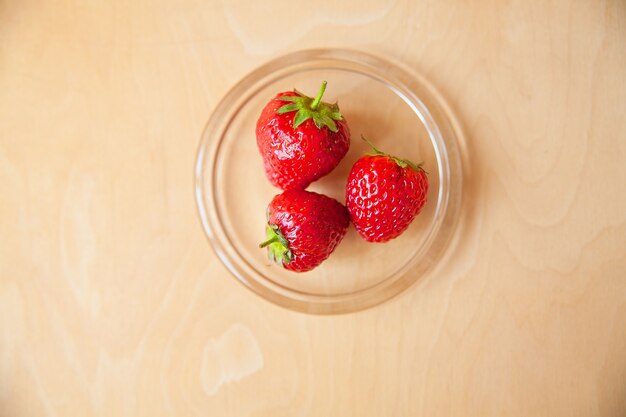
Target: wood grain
x: 112, y: 303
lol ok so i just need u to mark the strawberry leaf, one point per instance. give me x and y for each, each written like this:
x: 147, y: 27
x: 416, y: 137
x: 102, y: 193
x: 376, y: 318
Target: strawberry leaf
x: 302, y: 116
x: 402, y: 163
x: 278, y: 247
x: 336, y: 115
x: 323, y: 114
x: 294, y: 99
x: 413, y: 165
x: 288, y: 108
x: 328, y: 121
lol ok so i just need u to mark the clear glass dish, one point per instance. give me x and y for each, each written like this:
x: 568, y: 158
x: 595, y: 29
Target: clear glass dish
x: 393, y: 107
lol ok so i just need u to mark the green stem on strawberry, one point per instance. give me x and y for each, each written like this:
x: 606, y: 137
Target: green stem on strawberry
x: 323, y: 114
x: 269, y: 241
x: 402, y: 163
x: 278, y: 250
x: 318, y: 97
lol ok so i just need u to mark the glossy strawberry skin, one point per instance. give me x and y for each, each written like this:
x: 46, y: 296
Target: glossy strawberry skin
x: 294, y: 158
x: 383, y: 198
x: 313, y: 225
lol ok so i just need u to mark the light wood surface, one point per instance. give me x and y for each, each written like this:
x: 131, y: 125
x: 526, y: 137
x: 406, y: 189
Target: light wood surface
x: 113, y: 304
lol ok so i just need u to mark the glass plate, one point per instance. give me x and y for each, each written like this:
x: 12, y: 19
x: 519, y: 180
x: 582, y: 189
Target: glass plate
x: 397, y: 110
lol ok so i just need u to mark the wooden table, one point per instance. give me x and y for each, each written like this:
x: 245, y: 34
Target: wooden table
x: 113, y: 304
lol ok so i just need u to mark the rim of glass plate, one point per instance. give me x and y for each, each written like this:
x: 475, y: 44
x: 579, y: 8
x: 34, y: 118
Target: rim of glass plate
x: 444, y: 132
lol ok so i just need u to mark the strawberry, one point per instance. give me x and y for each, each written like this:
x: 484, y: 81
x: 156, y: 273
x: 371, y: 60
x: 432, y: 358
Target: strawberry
x: 384, y: 194
x: 301, y: 139
x: 303, y: 229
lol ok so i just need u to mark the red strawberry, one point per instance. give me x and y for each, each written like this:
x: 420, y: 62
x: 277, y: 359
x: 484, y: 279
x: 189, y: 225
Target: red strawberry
x: 303, y: 229
x: 301, y: 139
x: 384, y: 194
